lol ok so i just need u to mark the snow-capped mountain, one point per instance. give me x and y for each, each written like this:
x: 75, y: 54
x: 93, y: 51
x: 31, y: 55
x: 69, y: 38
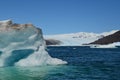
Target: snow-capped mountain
x: 77, y: 39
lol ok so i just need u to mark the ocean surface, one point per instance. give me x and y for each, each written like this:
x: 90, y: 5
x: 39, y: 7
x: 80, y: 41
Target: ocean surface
x: 84, y: 63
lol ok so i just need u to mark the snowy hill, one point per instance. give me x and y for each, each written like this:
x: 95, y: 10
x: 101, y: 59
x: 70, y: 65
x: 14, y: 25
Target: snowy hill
x: 108, y: 39
x: 77, y: 39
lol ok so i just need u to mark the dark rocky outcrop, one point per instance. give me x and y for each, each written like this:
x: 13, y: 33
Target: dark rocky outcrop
x: 108, y: 39
x: 52, y: 42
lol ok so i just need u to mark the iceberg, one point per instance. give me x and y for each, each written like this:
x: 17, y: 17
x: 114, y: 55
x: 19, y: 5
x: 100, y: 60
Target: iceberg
x: 23, y: 45
x: 103, y: 46
x: 112, y: 45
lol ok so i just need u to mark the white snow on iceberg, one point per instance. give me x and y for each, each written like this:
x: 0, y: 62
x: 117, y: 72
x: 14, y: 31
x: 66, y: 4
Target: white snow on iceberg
x: 112, y: 45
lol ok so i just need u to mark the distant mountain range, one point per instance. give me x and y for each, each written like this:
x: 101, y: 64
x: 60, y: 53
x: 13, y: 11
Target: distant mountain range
x: 78, y: 39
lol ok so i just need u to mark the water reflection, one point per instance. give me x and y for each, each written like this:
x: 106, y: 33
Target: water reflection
x: 31, y: 73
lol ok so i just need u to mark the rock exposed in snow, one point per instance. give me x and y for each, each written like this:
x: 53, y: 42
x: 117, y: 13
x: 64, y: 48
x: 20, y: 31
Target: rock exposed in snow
x: 52, y: 41
x: 115, y: 37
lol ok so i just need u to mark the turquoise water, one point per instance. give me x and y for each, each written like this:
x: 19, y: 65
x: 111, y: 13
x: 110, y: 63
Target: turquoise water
x: 83, y: 64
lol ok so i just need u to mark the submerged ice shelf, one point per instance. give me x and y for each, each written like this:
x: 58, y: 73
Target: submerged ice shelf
x: 23, y: 45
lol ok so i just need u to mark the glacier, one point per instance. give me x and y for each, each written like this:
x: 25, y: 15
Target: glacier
x: 23, y: 45
x: 77, y: 39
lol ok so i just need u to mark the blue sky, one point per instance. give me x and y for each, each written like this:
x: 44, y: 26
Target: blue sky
x: 64, y: 16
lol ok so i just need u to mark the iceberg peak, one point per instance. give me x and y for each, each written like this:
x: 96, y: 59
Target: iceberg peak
x: 7, y: 25
x: 6, y: 22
